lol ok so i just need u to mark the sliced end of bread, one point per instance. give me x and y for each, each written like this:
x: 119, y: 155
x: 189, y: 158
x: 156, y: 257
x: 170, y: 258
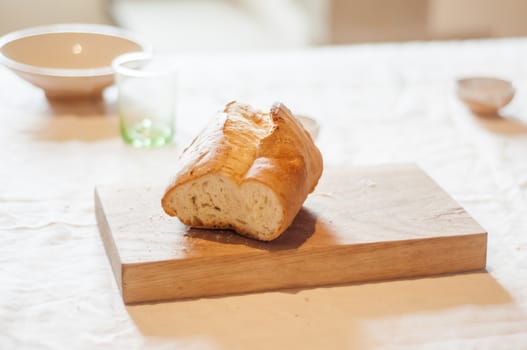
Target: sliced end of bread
x: 215, y: 201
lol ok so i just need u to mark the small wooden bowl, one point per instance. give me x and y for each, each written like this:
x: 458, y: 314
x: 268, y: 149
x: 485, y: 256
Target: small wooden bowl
x: 485, y: 95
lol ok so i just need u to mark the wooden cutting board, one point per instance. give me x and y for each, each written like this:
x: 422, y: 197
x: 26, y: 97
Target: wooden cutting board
x: 361, y: 224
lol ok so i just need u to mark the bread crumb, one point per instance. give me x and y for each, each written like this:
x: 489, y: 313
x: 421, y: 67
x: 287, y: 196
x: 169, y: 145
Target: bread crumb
x: 367, y: 183
x: 324, y: 194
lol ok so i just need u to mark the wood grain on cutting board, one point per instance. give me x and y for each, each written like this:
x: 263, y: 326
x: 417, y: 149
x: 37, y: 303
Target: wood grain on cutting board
x: 360, y: 224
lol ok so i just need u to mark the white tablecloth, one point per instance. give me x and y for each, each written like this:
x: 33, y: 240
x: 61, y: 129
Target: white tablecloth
x: 375, y: 104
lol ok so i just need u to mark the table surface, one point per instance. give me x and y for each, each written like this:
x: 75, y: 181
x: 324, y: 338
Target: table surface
x: 376, y: 104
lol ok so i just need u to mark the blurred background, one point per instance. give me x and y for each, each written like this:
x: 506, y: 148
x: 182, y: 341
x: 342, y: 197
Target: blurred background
x: 196, y: 25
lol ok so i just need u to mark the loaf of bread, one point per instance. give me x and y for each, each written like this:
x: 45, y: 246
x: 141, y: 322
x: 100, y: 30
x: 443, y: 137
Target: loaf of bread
x: 249, y: 171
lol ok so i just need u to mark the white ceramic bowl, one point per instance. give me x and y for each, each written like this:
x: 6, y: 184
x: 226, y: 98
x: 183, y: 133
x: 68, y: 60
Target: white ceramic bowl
x: 67, y: 60
x: 310, y: 124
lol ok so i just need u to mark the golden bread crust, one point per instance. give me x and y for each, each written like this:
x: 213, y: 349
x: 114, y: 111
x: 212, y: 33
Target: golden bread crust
x: 243, y: 145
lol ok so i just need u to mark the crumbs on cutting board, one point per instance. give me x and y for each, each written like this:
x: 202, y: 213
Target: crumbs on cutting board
x: 367, y: 183
x: 324, y: 194
x: 362, y: 184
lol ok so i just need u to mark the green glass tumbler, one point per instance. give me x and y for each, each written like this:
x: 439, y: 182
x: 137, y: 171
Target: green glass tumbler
x: 147, y: 99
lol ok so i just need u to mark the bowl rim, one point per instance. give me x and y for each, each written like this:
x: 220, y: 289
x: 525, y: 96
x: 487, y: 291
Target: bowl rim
x: 120, y: 69
x: 67, y: 28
